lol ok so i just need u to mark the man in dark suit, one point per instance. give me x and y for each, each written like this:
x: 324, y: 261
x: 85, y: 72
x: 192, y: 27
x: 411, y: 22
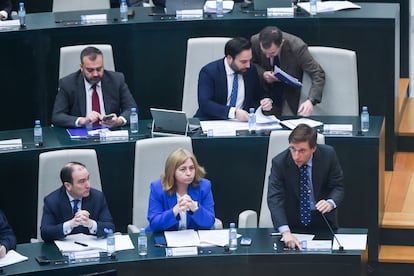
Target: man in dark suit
x: 7, y: 237
x: 273, y: 47
x: 289, y: 194
x: 84, y: 97
x: 75, y: 207
x: 219, y: 79
x: 5, y: 9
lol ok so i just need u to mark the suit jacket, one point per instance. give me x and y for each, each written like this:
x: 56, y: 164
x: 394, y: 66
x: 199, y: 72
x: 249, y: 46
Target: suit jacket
x: 6, y: 5
x: 160, y: 208
x: 283, y: 193
x: 213, y: 91
x: 70, y: 102
x: 7, y: 237
x: 294, y: 60
x: 58, y: 209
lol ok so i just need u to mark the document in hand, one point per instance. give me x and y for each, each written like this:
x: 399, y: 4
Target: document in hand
x: 286, y: 78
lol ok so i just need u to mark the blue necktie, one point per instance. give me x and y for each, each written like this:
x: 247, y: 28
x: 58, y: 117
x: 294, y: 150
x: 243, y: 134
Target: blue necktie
x: 233, y: 96
x: 305, y: 211
x: 75, y: 205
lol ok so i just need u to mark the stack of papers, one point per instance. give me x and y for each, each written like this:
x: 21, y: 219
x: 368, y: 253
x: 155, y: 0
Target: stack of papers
x: 295, y: 122
x: 11, y: 144
x: 329, y: 6
x: 78, y: 133
x: 210, y: 6
x: 190, y: 237
x: 286, y: 78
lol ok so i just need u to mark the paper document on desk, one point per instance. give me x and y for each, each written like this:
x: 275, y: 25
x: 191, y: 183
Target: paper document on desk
x: 182, y: 238
x: 295, y: 122
x: 286, y: 78
x: 122, y: 242
x: 12, y: 257
x: 210, y: 6
x: 214, y: 237
x: 223, y: 127
x: 266, y: 122
x: 11, y: 144
x: 350, y: 241
x: 329, y: 6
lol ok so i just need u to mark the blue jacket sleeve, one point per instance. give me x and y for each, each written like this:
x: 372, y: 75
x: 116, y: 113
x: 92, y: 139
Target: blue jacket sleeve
x: 7, y: 237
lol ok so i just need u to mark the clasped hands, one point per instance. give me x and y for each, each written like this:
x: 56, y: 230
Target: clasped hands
x: 94, y: 117
x: 81, y: 218
x: 185, y: 203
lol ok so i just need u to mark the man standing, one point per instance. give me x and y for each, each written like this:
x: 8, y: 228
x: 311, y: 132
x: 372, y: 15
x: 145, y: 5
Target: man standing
x: 228, y: 87
x: 273, y: 47
x: 305, y: 184
x: 84, y: 97
x: 75, y: 207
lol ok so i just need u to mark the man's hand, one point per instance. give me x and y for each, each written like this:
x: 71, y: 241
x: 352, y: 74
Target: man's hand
x: 324, y: 206
x: 269, y: 77
x: 291, y: 241
x: 91, y: 118
x: 2, y: 251
x: 81, y: 218
x: 266, y: 104
x: 241, y: 115
x: 112, y: 123
x: 305, y: 109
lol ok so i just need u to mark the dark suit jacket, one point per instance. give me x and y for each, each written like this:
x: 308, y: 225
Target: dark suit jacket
x: 57, y: 209
x: 294, y: 60
x: 283, y: 193
x: 7, y: 237
x: 160, y: 208
x: 213, y: 91
x: 70, y: 102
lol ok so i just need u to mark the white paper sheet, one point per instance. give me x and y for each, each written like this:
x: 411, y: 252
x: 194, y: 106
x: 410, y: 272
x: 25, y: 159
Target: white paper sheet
x: 182, y: 238
x: 210, y: 6
x: 329, y: 6
x: 295, y: 122
x: 12, y: 257
x: 350, y: 241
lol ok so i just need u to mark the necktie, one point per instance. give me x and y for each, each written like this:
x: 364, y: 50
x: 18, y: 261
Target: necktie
x: 304, y: 212
x: 95, y: 100
x: 235, y: 87
x: 75, y: 205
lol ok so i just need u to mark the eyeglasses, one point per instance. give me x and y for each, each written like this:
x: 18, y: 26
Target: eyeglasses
x: 300, y: 151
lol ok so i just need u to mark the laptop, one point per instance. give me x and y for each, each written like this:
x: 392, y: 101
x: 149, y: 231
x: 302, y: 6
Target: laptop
x: 260, y: 5
x: 171, y: 6
x: 169, y: 122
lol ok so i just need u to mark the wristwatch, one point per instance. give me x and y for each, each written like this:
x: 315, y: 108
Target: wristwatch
x: 313, y: 101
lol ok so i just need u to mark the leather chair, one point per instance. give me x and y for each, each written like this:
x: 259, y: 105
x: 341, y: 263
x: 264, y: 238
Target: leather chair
x: 340, y: 94
x: 200, y: 51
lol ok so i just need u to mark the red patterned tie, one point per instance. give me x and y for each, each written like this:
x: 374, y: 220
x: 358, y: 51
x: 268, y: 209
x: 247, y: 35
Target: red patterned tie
x: 95, y: 100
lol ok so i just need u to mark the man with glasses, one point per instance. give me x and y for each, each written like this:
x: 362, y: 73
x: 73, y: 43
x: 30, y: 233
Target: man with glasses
x: 305, y: 186
x: 86, y: 96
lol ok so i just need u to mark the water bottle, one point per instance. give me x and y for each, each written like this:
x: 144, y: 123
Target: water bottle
x: 232, y: 236
x: 142, y: 243
x: 123, y: 10
x: 133, y: 120
x: 110, y: 241
x: 312, y: 7
x: 364, y: 119
x: 22, y: 14
x: 252, y: 120
x: 38, y: 134
x: 219, y: 8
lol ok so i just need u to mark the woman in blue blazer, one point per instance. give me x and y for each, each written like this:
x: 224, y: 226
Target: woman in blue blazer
x: 182, y: 198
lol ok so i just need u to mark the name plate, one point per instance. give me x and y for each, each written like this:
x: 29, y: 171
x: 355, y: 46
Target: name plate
x: 189, y: 14
x: 273, y: 12
x: 93, y: 18
x: 181, y: 251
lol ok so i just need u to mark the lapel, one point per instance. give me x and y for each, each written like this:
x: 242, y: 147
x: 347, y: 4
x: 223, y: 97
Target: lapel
x: 67, y: 210
x: 222, y: 81
x: 293, y: 174
x: 81, y: 90
x: 316, y: 180
x: 105, y: 86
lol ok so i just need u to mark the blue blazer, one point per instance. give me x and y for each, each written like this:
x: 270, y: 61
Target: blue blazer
x: 7, y: 237
x: 57, y: 209
x: 160, y: 208
x: 213, y: 91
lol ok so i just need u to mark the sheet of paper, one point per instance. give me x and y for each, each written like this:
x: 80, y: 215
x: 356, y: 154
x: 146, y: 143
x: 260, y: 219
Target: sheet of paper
x: 337, y: 129
x: 350, y: 241
x: 319, y: 245
x: 182, y: 238
x: 302, y: 237
x: 12, y: 257
x: 11, y: 144
x: 210, y: 6
x: 295, y: 122
x: 214, y: 237
x: 329, y: 6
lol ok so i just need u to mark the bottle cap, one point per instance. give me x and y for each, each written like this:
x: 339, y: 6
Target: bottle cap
x: 108, y: 231
x: 232, y: 225
x: 365, y: 108
x: 133, y: 109
x: 37, y: 122
x: 251, y: 110
x: 142, y: 230
x: 21, y: 4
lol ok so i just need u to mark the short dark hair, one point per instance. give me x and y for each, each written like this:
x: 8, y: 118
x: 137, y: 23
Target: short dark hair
x: 90, y: 52
x: 270, y: 35
x: 67, y: 170
x: 236, y: 45
x: 303, y: 133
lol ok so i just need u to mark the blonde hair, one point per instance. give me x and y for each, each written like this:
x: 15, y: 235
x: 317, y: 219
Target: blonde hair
x: 174, y: 160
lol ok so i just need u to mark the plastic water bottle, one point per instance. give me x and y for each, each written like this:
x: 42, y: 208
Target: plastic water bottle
x: 38, y: 134
x: 219, y: 8
x: 313, y: 7
x: 142, y: 243
x: 133, y: 120
x: 364, y: 119
x: 110, y: 241
x: 232, y: 236
x: 252, y: 120
x: 22, y: 14
x: 123, y: 10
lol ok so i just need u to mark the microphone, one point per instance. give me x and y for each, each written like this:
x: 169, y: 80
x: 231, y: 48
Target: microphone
x: 341, y: 248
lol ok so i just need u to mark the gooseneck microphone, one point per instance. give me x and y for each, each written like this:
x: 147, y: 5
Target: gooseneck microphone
x: 341, y: 248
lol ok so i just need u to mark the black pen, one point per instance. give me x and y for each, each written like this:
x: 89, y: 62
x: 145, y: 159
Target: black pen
x: 83, y: 244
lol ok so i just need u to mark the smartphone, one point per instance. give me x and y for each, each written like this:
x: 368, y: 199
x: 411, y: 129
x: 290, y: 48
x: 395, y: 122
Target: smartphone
x: 43, y: 260
x: 246, y: 241
x: 107, y: 117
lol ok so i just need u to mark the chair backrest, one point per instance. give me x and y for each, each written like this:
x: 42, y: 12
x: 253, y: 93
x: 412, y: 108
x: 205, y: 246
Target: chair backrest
x: 150, y: 157
x: 70, y: 58
x: 278, y: 142
x: 340, y: 94
x: 200, y: 51
x: 79, y: 5
x: 50, y: 164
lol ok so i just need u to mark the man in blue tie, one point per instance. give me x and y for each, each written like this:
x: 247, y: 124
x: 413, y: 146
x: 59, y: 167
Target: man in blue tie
x: 228, y: 87
x: 305, y: 184
x: 75, y: 207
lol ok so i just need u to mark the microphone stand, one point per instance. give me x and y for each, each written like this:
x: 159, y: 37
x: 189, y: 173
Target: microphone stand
x: 341, y: 248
